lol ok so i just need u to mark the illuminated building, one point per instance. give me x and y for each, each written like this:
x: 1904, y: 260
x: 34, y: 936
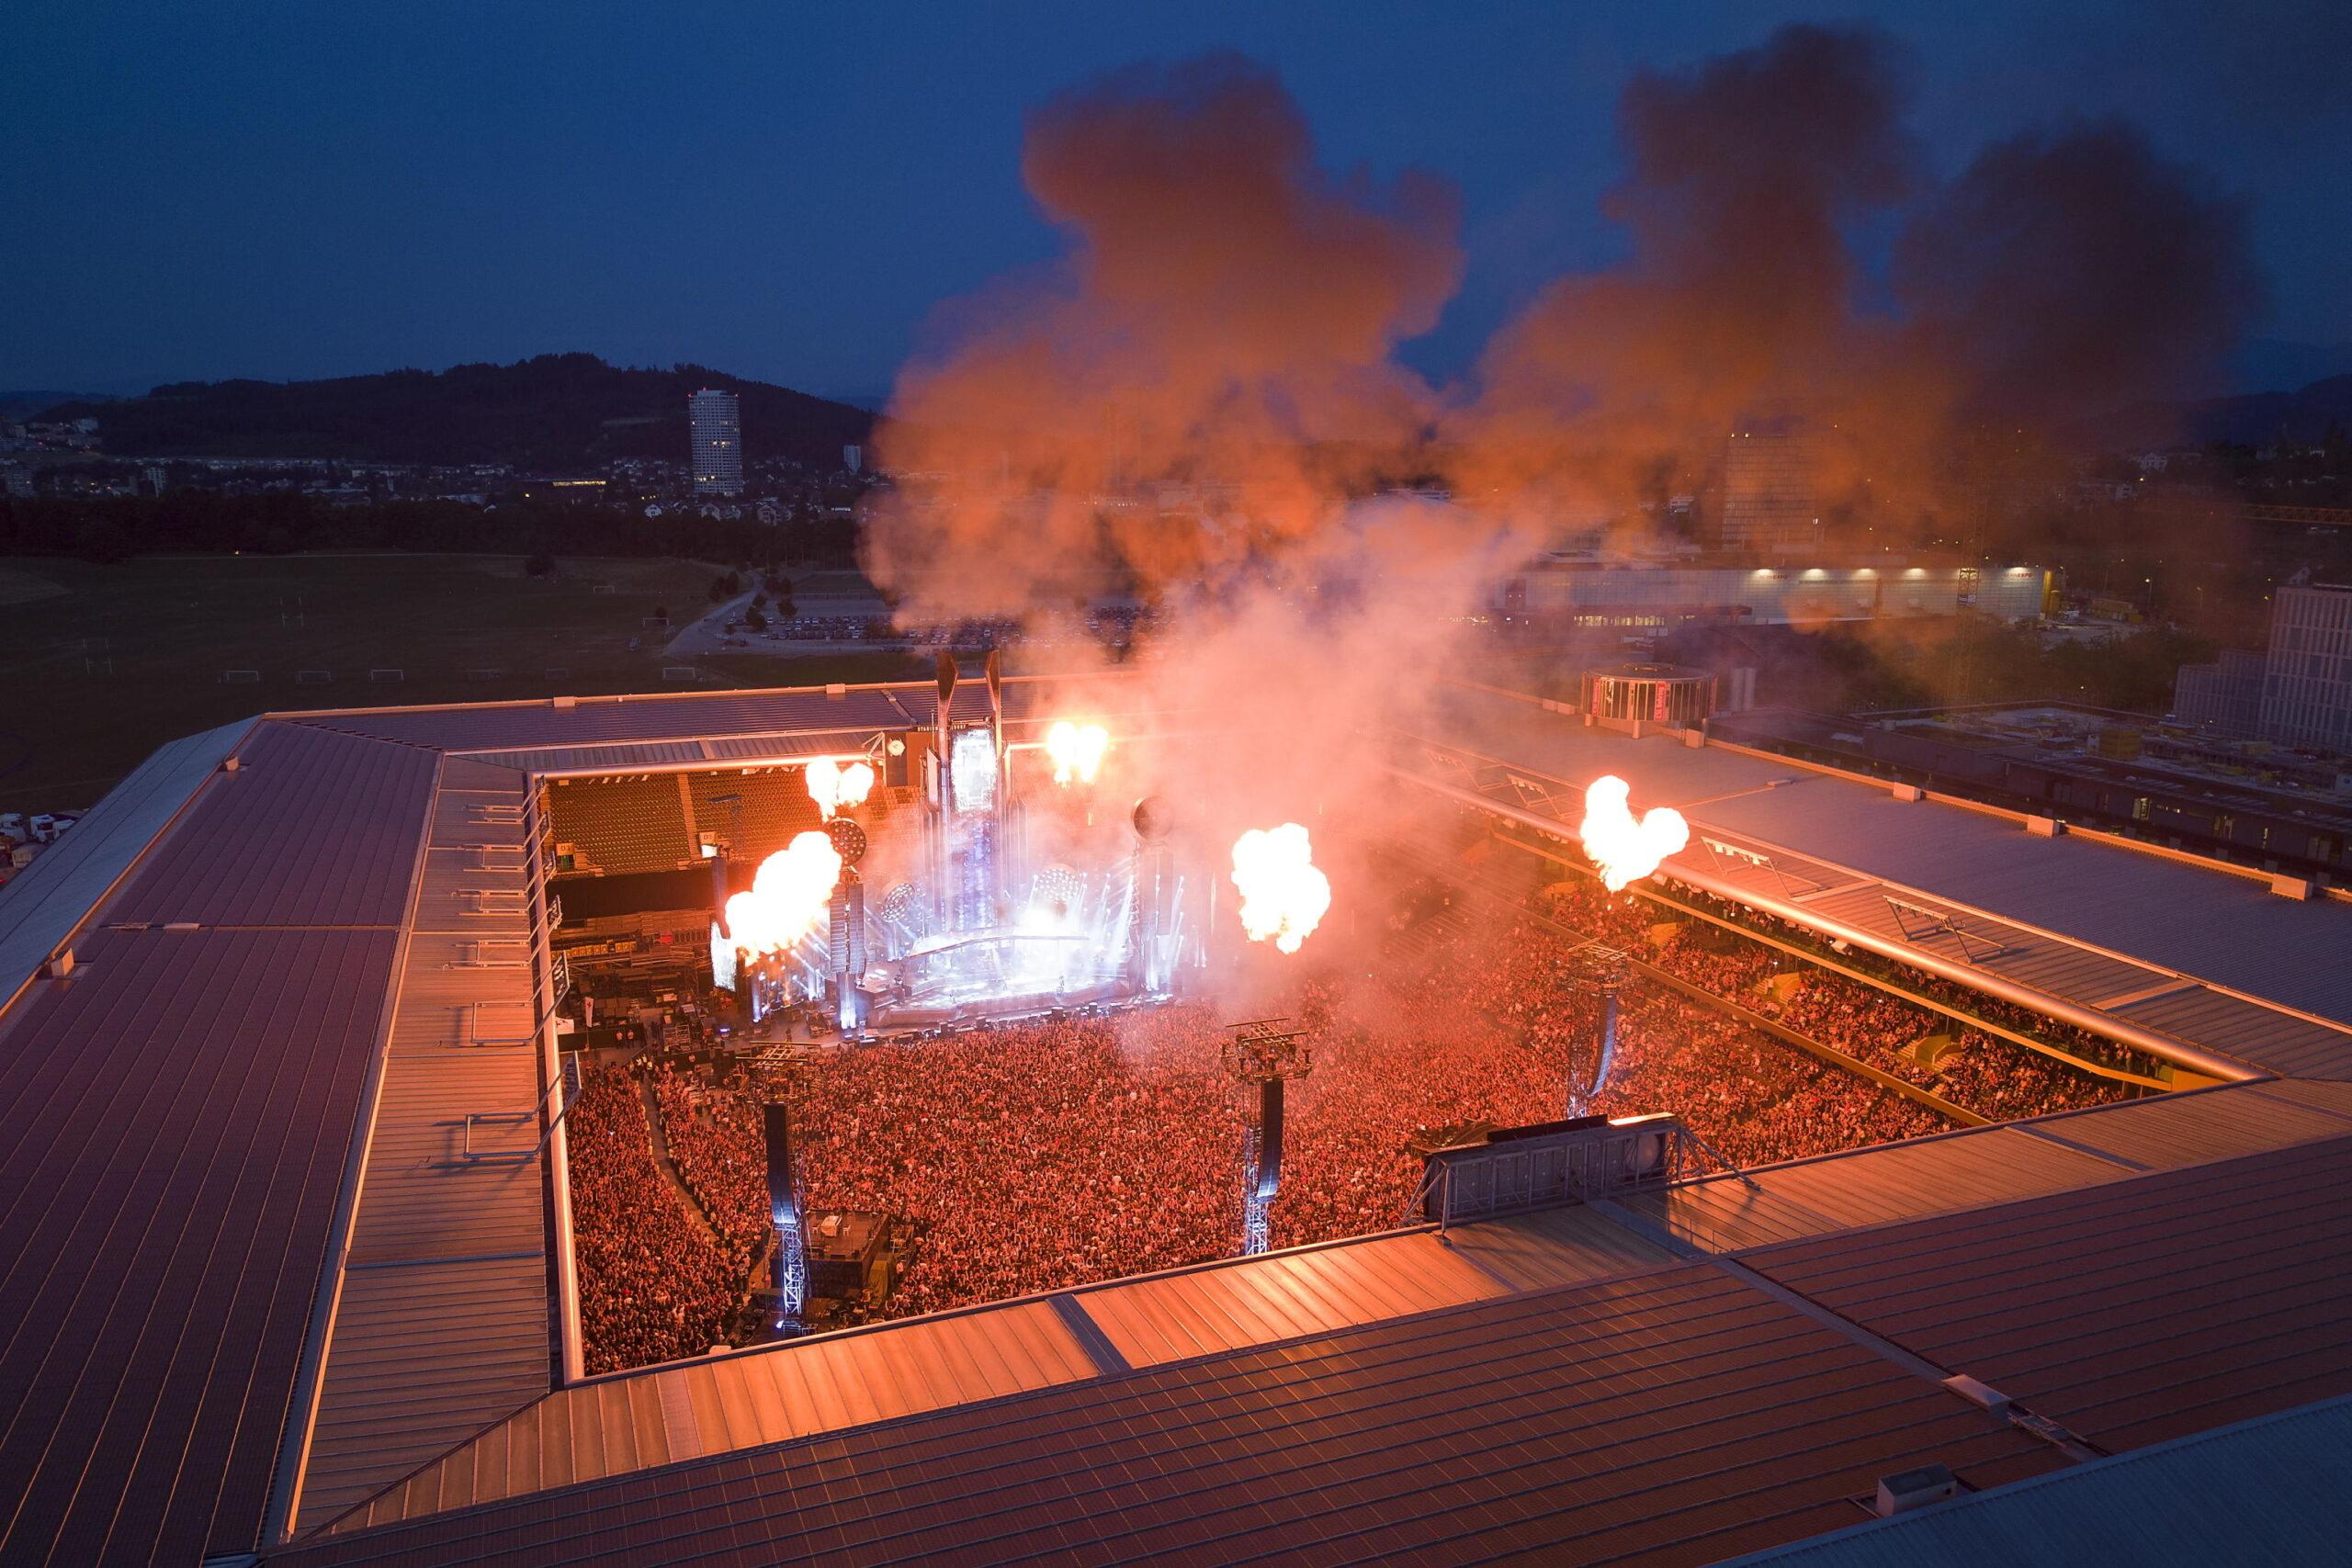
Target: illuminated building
x: 715, y: 421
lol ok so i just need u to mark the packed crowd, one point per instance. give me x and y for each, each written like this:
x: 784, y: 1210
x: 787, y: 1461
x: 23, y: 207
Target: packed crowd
x: 653, y: 1285
x: 1027, y: 1157
x: 1023, y: 1157
x: 719, y: 1150
x: 1991, y: 1010
x: 1968, y: 1067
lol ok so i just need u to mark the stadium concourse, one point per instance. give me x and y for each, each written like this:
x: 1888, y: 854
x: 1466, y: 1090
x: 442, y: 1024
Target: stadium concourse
x: 287, y: 1243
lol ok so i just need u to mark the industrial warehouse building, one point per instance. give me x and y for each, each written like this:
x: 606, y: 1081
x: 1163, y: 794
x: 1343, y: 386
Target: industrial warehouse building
x: 285, y: 1284
x: 1656, y: 597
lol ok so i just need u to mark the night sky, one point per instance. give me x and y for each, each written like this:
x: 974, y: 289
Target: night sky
x: 788, y: 191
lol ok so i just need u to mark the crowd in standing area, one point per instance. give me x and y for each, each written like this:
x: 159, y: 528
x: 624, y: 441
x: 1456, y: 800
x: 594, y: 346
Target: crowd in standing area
x: 1971, y: 1067
x: 1027, y: 1157
x: 653, y: 1285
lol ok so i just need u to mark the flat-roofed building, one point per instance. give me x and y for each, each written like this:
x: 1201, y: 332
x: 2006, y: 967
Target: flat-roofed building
x: 2307, y: 681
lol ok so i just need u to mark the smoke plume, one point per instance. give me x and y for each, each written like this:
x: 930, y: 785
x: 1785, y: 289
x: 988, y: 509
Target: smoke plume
x: 2064, y: 273
x: 1743, y: 178
x: 1202, y: 404
x: 1223, y: 326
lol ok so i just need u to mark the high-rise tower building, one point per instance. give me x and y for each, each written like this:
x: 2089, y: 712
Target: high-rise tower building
x: 716, y: 419
x: 1767, y: 505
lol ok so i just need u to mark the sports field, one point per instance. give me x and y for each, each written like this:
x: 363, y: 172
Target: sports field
x: 105, y: 663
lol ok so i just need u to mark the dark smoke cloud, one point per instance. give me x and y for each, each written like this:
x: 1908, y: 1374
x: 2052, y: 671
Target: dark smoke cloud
x: 1224, y: 326
x: 2064, y: 273
x: 1744, y: 176
x: 1226, y: 319
x: 1222, y: 333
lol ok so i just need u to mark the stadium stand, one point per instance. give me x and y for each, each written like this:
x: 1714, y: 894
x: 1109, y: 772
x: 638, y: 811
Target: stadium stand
x: 618, y: 825
x: 774, y: 806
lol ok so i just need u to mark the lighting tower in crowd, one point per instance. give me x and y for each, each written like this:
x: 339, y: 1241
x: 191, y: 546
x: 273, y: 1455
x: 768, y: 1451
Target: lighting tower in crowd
x: 1601, y: 972
x: 1265, y: 1052
x: 790, y: 1277
x: 715, y: 422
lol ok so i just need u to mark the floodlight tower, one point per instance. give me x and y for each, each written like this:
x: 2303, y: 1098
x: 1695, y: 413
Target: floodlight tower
x: 784, y: 1210
x: 1600, y: 972
x: 1265, y: 1052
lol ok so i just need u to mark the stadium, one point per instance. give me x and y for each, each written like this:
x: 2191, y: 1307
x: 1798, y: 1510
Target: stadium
x: 918, y: 1120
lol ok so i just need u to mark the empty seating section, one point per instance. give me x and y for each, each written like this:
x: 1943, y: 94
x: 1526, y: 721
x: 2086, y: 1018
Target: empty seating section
x: 616, y: 825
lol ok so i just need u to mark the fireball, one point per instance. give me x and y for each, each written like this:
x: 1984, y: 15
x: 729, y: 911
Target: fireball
x: 834, y: 787
x: 790, y: 896
x: 1077, y: 750
x: 1624, y: 848
x: 1284, y: 896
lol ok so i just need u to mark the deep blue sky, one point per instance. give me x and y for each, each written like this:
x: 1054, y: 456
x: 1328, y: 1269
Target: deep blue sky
x: 785, y: 190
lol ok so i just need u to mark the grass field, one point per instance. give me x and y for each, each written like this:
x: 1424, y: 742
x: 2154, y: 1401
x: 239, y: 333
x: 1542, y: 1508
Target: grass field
x: 105, y: 663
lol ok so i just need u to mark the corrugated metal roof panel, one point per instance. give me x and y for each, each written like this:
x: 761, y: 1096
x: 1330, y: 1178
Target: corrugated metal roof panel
x: 443, y: 1324
x: 2331, y: 1095
x: 314, y: 828
x: 40, y: 905
x: 1870, y: 1186
x: 669, y: 1414
x: 1678, y: 1413
x: 2279, y: 1040
x: 180, y: 1110
x: 716, y: 749
x: 761, y: 748
x: 612, y: 758
x: 461, y: 893
x: 423, y: 1196
x: 2198, y: 920
x: 425, y: 1355
x: 478, y: 818
x: 600, y: 720
x: 1554, y: 1246
x: 2155, y: 1506
x: 1198, y: 1312
x: 461, y: 990
x: 2174, y: 1130
x: 2131, y: 1312
x: 478, y: 775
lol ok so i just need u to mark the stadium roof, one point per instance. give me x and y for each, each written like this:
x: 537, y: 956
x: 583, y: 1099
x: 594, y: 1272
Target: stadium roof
x: 1619, y: 1386
x: 2141, y: 939
x: 2152, y: 1506
x: 275, y: 1256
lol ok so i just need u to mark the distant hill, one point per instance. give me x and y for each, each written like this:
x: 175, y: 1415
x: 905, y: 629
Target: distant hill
x: 2250, y: 420
x: 555, y: 412
x: 30, y: 404
x: 2265, y: 362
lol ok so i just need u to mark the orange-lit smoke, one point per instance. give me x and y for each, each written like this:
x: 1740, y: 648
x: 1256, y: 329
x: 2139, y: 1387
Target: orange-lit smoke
x: 790, y: 896
x: 1077, y: 750
x: 1284, y: 896
x: 834, y: 787
x: 1624, y: 848
x: 1206, y: 377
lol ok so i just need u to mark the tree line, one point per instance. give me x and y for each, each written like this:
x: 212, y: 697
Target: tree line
x: 113, y: 528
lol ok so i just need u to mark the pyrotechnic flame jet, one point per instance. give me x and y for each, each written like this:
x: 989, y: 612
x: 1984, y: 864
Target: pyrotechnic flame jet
x: 1625, y: 849
x: 790, y: 896
x: 1077, y: 750
x: 832, y: 787
x: 1283, y: 896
